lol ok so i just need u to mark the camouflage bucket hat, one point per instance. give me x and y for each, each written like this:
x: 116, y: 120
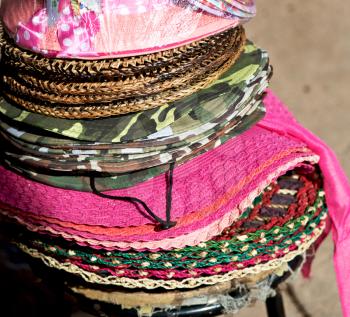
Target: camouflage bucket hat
x: 139, y: 125
x: 75, y: 173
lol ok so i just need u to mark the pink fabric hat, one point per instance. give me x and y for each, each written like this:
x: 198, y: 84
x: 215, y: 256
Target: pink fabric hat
x: 280, y: 122
x: 107, y: 28
x: 200, y: 187
x: 209, y: 193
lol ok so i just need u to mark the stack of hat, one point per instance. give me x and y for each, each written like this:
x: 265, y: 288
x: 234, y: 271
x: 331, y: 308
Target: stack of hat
x: 135, y: 152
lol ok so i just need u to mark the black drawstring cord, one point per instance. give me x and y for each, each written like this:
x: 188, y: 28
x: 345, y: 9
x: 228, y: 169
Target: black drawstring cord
x: 164, y: 224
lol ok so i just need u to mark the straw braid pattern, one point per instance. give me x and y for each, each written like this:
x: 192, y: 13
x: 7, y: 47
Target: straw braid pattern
x: 156, y: 63
x: 149, y: 83
x: 117, y: 90
x: 120, y: 107
x: 244, y: 257
x: 173, y: 284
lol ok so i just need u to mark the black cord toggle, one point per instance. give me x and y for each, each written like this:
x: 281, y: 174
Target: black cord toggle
x: 163, y: 224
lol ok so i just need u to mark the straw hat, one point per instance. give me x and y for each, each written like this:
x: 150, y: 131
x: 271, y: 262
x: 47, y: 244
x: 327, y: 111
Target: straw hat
x: 282, y: 223
x: 95, y: 97
x: 134, y: 126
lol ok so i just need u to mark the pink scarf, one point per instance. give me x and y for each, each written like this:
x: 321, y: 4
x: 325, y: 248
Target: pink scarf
x: 336, y: 185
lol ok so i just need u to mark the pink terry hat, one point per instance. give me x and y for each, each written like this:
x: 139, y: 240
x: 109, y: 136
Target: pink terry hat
x: 96, y: 29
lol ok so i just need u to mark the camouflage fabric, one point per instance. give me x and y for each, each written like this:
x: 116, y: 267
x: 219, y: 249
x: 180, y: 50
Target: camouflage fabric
x: 82, y: 183
x: 140, y: 125
x: 213, y: 116
x: 121, y: 163
x: 145, y: 147
x: 209, y: 114
x: 113, y: 164
x: 121, y: 128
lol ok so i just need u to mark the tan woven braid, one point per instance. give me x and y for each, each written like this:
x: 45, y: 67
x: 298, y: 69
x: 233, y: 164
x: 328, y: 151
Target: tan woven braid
x: 94, y: 96
x: 90, y: 111
x: 156, y: 63
x: 90, y: 277
x: 169, y: 77
x: 126, y: 298
x: 90, y: 92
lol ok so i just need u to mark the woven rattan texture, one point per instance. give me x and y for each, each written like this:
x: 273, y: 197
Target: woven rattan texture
x: 67, y: 92
x: 77, y: 100
x: 147, y: 283
x: 150, y: 65
x: 151, y: 81
x: 91, y: 111
x: 284, y: 209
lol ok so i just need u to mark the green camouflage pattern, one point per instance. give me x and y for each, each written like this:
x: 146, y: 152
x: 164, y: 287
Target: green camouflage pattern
x: 122, y: 163
x: 108, y: 182
x: 116, y: 164
x: 143, y: 147
x: 209, y: 114
x: 193, y: 111
x: 227, y: 108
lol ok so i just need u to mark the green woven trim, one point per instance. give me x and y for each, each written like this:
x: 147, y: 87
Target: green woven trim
x: 239, y: 248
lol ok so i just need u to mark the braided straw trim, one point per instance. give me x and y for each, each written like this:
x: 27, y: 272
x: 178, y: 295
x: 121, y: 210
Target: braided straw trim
x: 256, y: 255
x: 127, y: 300
x: 138, y: 88
x: 149, y: 83
x: 175, y: 284
x: 185, y: 259
x: 119, y: 107
x: 119, y: 67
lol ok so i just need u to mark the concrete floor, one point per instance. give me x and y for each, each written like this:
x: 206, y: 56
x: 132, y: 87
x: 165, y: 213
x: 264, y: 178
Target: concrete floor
x: 309, y: 45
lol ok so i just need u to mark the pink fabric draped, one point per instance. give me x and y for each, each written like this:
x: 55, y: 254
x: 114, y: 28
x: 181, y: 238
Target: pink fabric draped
x: 336, y: 186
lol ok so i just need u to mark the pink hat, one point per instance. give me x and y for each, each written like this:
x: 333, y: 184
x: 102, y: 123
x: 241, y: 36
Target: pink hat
x: 202, y: 184
x: 107, y: 28
x: 208, y: 193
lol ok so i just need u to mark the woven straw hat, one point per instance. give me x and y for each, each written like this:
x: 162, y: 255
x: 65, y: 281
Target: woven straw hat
x: 133, y: 126
x: 280, y: 224
x: 87, y: 97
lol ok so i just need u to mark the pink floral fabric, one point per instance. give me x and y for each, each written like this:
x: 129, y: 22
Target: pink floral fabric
x: 95, y: 29
x: 74, y: 34
x: 230, y: 8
